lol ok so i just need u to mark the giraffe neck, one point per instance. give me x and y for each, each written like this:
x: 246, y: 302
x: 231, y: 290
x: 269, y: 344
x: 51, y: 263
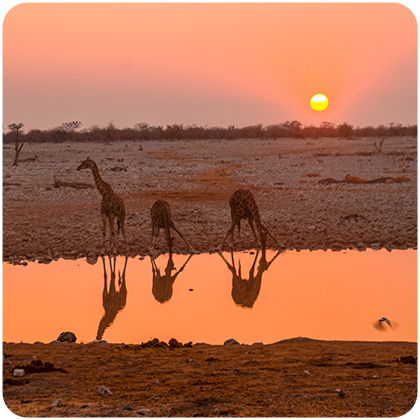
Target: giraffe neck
x: 100, y: 184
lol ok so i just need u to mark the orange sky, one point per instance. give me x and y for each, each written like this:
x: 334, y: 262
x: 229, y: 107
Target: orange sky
x: 208, y: 64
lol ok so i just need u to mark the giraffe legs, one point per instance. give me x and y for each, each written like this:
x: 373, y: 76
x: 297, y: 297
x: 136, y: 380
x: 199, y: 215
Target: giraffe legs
x: 111, y: 233
x: 103, y: 229
x: 155, y: 233
x: 229, y: 232
x: 169, y: 238
x: 182, y: 236
x: 267, y: 232
x: 251, y: 224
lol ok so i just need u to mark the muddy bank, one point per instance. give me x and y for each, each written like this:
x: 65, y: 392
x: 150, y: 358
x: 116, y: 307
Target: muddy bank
x: 51, y: 211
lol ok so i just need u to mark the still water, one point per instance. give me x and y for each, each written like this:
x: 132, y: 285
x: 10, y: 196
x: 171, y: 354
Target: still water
x: 249, y: 296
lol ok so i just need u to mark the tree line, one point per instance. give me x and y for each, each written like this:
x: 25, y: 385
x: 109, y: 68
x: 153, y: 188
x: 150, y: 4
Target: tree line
x: 71, y: 131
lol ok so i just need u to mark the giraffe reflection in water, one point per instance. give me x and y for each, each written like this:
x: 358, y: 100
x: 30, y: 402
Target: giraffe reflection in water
x: 245, y: 291
x: 113, y: 301
x: 162, y: 288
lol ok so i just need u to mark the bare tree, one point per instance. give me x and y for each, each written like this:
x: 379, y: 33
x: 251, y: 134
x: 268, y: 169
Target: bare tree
x: 378, y: 146
x: 15, y: 129
x: 71, y: 126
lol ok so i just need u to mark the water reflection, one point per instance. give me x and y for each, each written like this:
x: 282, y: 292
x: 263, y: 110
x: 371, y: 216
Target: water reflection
x: 113, y: 301
x: 246, y: 291
x: 344, y: 291
x: 162, y: 288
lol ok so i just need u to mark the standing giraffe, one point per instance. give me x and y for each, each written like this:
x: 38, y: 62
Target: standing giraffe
x: 161, y: 218
x: 112, y: 205
x: 243, y: 206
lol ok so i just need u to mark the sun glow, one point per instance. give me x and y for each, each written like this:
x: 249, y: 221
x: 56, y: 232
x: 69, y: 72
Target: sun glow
x: 319, y: 102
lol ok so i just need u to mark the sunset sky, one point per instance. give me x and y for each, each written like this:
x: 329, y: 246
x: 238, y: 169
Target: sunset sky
x: 208, y: 64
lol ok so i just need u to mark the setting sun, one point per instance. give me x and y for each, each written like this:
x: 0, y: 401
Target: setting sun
x: 319, y: 102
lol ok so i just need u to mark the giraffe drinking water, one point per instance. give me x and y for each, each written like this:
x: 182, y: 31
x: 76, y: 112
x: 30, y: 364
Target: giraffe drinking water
x: 243, y: 206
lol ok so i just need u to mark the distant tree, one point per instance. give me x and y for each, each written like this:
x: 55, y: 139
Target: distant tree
x: 345, y: 130
x: 326, y: 129
x: 14, y: 128
x: 111, y: 131
x: 71, y: 126
x: 174, y: 132
x: 294, y: 129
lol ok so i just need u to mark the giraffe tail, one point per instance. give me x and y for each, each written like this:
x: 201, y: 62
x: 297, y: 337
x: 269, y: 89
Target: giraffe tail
x: 118, y: 226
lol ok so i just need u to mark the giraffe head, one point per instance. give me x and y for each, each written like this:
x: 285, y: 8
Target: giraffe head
x: 86, y: 164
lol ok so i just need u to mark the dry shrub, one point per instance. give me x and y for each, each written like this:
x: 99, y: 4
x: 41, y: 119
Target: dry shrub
x: 403, y: 178
x: 350, y: 179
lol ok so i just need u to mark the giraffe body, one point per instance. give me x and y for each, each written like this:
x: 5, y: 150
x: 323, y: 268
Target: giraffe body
x: 243, y: 206
x: 112, y: 205
x: 162, y: 219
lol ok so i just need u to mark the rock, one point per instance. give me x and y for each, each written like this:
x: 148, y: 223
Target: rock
x: 56, y: 403
x: 174, y: 343
x: 230, y: 342
x: 258, y: 343
x: 127, y: 407
x: 103, y: 390
x: 67, y: 337
x: 19, y: 372
x: 407, y: 360
x: 305, y: 372
x: 92, y: 258
x: 340, y: 392
x: 144, y: 412
x: 375, y: 377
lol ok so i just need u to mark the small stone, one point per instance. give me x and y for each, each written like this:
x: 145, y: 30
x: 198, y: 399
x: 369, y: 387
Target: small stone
x: 19, y: 372
x: 144, y: 412
x: 375, y: 376
x: 340, y: 392
x: 156, y: 381
x: 67, y: 337
x: 56, y: 403
x: 230, y: 342
x: 305, y: 372
x: 127, y: 407
x: 103, y: 390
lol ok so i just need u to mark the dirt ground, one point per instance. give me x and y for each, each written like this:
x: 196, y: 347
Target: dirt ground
x: 312, y: 194
x: 292, y: 378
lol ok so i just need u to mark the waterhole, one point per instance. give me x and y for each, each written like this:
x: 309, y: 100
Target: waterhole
x: 249, y: 296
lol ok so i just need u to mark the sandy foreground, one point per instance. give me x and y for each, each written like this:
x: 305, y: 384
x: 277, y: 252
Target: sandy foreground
x: 312, y: 194
x: 291, y: 378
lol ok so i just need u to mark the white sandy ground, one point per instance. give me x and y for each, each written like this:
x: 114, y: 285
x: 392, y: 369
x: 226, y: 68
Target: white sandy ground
x: 197, y: 177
